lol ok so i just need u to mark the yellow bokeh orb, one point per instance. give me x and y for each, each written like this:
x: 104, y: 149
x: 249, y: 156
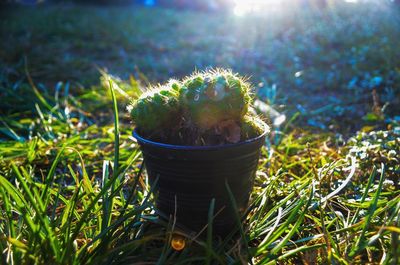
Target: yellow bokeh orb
x: 178, y: 242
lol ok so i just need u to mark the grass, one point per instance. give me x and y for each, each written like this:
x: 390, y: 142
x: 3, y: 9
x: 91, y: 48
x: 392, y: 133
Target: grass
x: 72, y: 186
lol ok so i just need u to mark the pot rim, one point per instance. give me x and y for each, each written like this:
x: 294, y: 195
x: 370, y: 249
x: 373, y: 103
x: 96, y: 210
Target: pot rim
x: 145, y: 141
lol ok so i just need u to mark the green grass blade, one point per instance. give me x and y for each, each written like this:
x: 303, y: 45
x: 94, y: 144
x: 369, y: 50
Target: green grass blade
x: 39, y: 213
x: 7, y: 211
x: 282, y: 228
x: 67, y: 225
x: 361, y: 242
x: 238, y: 220
x: 116, y: 130
x: 294, y: 228
x: 16, y: 195
x: 209, y: 245
x: 297, y: 250
x: 50, y: 177
x: 365, y: 194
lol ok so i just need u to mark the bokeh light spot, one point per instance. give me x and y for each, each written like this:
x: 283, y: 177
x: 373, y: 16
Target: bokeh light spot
x: 178, y: 242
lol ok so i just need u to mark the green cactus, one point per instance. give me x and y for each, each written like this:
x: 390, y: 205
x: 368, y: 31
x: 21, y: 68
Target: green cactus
x: 251, y: 127
x: 212, y: 96
x: 204, y: 109
x: 156, y: 109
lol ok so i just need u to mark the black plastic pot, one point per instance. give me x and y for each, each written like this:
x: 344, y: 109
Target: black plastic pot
x: 189, y: 177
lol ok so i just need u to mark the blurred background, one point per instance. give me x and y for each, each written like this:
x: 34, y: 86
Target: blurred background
x: 329, y: 65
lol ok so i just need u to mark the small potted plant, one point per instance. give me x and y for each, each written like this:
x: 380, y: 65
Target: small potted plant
x: 200, y: 143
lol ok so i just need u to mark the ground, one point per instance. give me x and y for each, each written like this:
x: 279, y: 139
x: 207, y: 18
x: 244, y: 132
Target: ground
x: 327, y: 188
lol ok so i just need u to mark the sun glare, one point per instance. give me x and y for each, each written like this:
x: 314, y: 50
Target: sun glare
x: 243, y: 7
x: 246, y: 7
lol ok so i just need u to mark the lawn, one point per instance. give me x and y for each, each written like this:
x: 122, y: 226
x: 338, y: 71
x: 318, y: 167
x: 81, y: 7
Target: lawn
x: 72, y: 186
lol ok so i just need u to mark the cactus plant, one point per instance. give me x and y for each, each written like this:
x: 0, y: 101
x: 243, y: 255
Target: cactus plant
x: 155, y: 109
x: 251, y: 127
x: 213, y: 96
x: 207, y: 108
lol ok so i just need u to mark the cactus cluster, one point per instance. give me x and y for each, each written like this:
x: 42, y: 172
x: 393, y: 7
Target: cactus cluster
x: 210, y: 107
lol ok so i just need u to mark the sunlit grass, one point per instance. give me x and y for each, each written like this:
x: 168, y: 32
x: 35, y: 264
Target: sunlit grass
x: 65, y: 201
